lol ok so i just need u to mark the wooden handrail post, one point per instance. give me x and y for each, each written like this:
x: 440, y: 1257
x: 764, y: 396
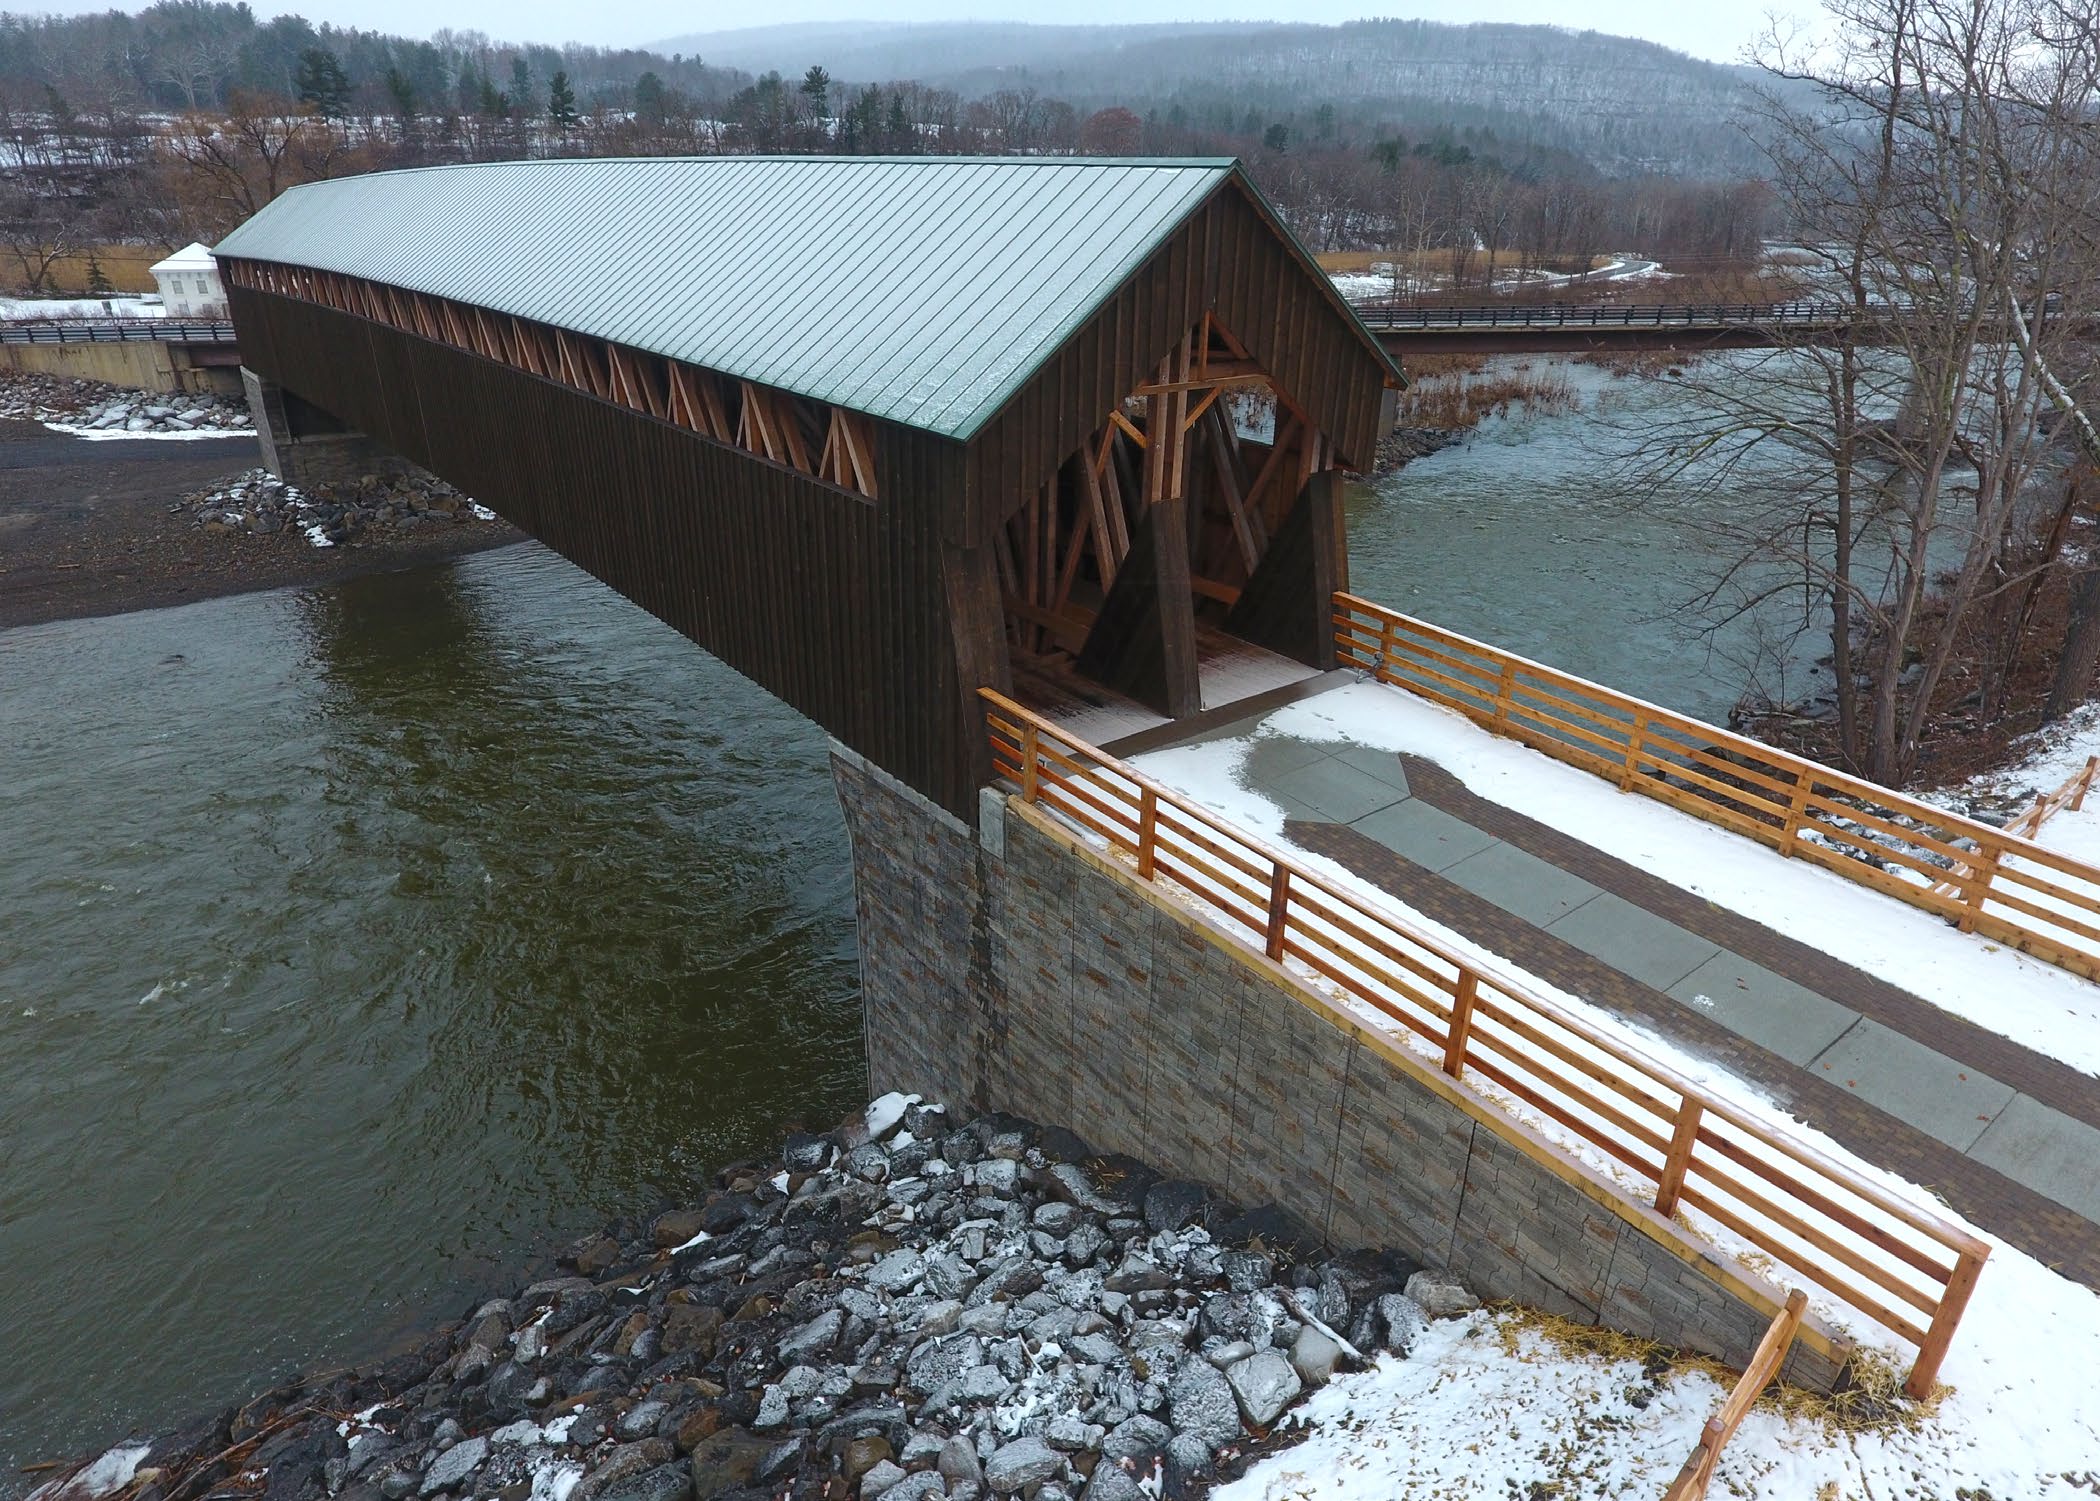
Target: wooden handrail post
x: 1953, y: 1301
x: 1031, y: 751
x: 1976, y: 885
x: 2085, y: 783
x: 1385, y: 648
x: 1279, y: 910
x: 1148, y: 832
x: 1462, y: 1000
x: 1505, y: 689
x: 1633, y: 749
x: 1679, y: 1162
x: 1796, y: 810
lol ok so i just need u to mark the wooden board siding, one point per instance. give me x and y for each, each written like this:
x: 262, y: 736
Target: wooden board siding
x: 1227, y: 259
x: 836, y: 605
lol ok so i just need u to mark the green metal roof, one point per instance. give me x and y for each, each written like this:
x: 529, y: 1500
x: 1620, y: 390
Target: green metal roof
x: 923, y: 290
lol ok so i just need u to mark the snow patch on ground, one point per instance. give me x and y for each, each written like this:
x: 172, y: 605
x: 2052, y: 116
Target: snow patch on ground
x: 2052, y: 756
x: 1488, y: 1406
x: 1469, y: 1418
x: 2033, y: 1003
x: 22, y: 309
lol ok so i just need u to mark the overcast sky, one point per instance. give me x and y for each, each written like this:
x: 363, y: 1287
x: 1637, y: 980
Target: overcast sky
x: 1715, y: 29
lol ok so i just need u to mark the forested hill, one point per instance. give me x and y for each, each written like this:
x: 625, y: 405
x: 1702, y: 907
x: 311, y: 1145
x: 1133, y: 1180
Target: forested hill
x: 1628, y: 106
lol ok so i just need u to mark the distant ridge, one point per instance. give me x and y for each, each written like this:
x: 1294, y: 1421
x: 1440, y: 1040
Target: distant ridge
x: 1627, y: 105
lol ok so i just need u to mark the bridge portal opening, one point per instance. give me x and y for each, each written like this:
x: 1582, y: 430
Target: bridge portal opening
x: 1155, y: 574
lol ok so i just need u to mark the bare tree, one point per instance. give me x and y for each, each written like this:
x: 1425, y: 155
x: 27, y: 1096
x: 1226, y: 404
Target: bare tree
x: 1900, y: 473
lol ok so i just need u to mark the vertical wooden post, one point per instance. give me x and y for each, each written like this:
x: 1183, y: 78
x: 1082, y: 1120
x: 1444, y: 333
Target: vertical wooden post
x: 1796, y: 810
x: 1679, y: 1162
x: 1148, y: 832
x: 1633, y: 750
x: 1031, y: 749
x: 1976, y: 885
x: 2085, y: 782
x: 1462, y: 1000
x: 1962, y: 1282
x: 1385, y: 649
x: 1505, y: 689
x: 1279, y: 906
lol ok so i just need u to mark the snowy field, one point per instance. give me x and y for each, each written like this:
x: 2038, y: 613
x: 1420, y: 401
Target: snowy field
x: 19, y: 308
x: 2011, y: 1425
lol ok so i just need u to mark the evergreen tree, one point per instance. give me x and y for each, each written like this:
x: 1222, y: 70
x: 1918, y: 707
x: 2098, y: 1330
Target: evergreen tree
x: 561, y: 102
x: 520, y: 95
x: 649, y: 99
x: 319, y: 81
x: 1276, y: 137
x: 898, y: 132
x: 491, y: 103
x: 402, y: 94
x: 98, y: 282
x: 816, y: 88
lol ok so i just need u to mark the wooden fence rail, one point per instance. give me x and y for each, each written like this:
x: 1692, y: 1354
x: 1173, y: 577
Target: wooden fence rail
x: 1670, y: 1142
x: 1698, y: 1471
x: 1983, y: 880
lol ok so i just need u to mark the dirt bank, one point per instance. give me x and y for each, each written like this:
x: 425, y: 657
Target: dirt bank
x: 98, y: 528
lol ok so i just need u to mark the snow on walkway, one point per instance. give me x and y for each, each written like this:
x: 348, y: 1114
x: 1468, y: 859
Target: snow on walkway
x: 1476, y: 1414
x: 2033, y: 1003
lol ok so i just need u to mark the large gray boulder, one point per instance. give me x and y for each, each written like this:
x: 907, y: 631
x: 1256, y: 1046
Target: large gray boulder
x: 1264, y: 1385
x: 1200, y: 1403
x: 1020, y: 1464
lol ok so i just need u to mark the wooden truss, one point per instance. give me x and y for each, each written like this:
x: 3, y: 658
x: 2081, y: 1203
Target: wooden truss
x: 827, y: 443
x: 1173, y: 437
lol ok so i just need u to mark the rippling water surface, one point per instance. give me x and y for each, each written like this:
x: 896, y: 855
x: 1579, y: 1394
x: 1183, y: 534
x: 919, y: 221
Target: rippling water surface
x: 357, y: 942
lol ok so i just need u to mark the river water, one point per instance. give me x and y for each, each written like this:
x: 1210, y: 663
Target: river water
x: 358, y: 944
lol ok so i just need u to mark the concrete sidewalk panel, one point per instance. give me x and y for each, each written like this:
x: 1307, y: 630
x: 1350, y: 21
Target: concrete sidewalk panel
x: 1913, y: 1083
x: 2046, y: 1150
x: 1426, y: 835
x: 1768, y: 1008
x: 1634, y: 941
x: 1339, y: 791
x: 1521, y: 884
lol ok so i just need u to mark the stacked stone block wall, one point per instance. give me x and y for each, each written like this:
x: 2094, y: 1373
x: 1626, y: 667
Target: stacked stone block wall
x: 1010, y: 968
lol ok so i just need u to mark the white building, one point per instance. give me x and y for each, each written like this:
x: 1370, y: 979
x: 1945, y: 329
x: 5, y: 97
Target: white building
x: 189, y: 284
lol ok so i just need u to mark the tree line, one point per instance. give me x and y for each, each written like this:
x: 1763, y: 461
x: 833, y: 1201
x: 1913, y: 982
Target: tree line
x: 179, y: 121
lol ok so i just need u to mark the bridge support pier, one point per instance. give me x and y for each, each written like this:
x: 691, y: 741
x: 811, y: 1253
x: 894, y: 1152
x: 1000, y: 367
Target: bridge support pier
x: 305, y: 445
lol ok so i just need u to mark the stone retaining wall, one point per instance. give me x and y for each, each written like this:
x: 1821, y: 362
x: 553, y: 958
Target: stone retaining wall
x: 1011, y: 968
x: 139, y: 364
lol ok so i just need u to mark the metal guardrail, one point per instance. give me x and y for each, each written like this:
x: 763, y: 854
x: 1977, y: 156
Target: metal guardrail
x: 1387, y: 315
x: 117, y: 331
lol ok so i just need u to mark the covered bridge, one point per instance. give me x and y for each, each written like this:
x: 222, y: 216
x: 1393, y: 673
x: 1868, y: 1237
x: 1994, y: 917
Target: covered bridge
x: 876, y: 432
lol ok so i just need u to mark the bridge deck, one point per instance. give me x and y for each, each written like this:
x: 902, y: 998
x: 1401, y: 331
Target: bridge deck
x: 1232, y: 672
x: 2006, y: 1134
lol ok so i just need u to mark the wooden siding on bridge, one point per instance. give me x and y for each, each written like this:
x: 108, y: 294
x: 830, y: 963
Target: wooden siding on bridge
x: 879, y: 619
x: 835, y: 604
x: 1227, y: 258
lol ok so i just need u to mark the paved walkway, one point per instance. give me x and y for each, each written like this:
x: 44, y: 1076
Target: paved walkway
x: 2010, y: 1138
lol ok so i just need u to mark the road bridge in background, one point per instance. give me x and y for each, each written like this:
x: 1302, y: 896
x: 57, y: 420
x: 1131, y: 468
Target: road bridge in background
x: 147, y: 354
x: 1413, y: 329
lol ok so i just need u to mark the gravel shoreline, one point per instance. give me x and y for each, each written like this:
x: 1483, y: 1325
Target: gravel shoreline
x: 908, y: 1307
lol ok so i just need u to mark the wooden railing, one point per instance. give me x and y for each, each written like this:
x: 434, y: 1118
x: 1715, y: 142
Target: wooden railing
x: 2046, y: 805
x: 1698, y: 1471
x: 1983, y: 880
x: 1671, y: 1144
